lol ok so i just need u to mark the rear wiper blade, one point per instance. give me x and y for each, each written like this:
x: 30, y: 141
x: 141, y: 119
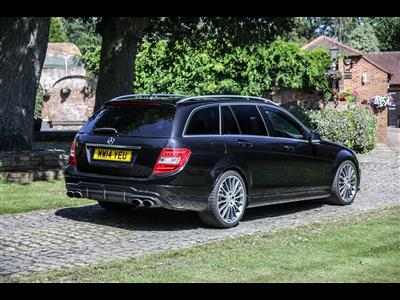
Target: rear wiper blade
x: 105, y: 130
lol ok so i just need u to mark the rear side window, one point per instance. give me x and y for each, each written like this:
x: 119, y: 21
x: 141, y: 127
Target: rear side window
x: 135, y: 120
x: 229, y: 125
x: 204, y: 121
x: 249, y: 119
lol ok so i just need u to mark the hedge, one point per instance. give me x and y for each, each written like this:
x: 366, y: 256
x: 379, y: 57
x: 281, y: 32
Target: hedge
x: 354, y: 128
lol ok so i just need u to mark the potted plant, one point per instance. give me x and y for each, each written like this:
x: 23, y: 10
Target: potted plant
x: 379, y: 103
x: 87, y: 91
x: 328, y: 94
x: 65, y: 91
x: 349, y: 95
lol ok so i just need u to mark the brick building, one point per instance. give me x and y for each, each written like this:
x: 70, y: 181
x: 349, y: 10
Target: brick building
x: 63, y: 72
x: 363, y: 72
x: 391, y: 62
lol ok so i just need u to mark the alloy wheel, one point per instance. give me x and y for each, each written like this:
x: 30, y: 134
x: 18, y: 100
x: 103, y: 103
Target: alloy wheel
x: 231, y: 199
x: 347, y: 182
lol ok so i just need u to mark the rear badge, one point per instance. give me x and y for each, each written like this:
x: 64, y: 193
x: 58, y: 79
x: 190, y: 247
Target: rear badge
x: 111, y: 140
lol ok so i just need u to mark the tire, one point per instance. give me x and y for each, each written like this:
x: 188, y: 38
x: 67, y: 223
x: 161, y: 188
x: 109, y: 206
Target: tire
x: 224, y: 209
x: 115, y: 206
x: 340, y: 185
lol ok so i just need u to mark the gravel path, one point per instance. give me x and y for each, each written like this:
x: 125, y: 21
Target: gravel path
x: 78, y: 236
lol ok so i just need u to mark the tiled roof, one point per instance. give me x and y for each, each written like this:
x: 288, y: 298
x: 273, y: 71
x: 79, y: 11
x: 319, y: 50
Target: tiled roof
x: 327, y: 42
x: 390, y: 61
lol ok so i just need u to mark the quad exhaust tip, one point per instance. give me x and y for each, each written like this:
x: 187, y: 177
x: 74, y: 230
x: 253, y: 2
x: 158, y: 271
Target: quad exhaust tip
x: 137, y: 202
x: 148, y: 203
x: 72, y: 194
x: 134, y: 201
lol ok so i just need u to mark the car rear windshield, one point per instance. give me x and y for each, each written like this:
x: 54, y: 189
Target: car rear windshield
x: 134, y: 120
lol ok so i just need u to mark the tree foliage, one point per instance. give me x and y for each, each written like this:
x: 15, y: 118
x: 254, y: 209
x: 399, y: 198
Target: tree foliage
x: 57, y: 33
x: 302, y: 31
x: 82, y: 32
x: 387, y: 30
x: 236, y: 30
x: 91, y: 59
x: 213, y: 67
x: 363, y: 38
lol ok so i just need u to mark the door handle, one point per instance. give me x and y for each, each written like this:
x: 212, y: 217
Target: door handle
x: 244, y: 143
x: 289, y: 148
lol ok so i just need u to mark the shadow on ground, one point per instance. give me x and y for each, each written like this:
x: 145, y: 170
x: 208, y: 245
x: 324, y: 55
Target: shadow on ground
x: 158, y: 219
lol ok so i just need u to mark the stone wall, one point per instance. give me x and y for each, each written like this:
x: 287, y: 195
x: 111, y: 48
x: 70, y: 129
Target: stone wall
x: 78, y: 106
x: 27, y: 166
x: 301, y: 97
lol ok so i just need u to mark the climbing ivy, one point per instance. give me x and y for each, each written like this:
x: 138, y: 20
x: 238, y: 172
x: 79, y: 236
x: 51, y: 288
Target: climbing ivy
x: 215, y: 67
x: 218, y: 67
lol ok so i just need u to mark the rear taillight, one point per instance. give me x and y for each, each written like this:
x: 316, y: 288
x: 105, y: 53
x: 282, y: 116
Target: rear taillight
x: 72, y: 157
x: 171, y: 160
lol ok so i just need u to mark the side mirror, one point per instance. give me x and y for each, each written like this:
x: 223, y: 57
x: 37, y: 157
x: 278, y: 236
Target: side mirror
x: 314, y: 136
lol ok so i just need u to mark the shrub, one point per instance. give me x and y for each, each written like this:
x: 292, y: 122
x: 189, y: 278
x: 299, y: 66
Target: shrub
x: 354, y: 128
x: 300, y: 113
x: 91, y: 59
x: 38, y: 103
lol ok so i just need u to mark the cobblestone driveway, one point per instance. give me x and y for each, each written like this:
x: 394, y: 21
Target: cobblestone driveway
x: 78, y: 236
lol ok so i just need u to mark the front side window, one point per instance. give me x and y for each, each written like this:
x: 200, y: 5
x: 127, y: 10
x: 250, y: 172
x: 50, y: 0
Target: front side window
x: 283, y: 126
x: 249, y: 119
x: 204, y: 121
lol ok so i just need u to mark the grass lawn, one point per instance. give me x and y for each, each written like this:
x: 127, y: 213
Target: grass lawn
x: 16, y: 198
x: 357, y: 248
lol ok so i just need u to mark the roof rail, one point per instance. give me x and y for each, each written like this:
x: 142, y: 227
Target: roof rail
x: 225, y: 96
x: 150, y: 96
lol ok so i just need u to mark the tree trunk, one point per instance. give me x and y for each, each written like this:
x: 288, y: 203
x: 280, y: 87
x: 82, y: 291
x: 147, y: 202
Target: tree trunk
x: 118, y: 51
x: 23, y: 44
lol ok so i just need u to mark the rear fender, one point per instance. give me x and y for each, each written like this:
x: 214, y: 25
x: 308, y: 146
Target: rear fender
x: 230, y: 163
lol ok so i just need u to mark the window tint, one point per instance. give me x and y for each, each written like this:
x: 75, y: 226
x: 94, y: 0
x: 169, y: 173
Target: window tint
x: 249, y: 119
x: 283, y: 126
x: 229, y: 125
x: 204, y: 121
x: 140, y: 120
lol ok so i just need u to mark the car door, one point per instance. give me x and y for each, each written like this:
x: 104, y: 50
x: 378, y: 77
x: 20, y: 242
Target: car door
x: 303, y: 162
x: 247, y: 139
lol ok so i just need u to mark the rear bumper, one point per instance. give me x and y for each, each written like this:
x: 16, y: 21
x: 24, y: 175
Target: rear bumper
x: 152, y: 194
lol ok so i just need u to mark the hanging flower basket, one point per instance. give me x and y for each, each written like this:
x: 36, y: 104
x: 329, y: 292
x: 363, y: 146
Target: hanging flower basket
x: 379, y: 103
x: 334, y: 75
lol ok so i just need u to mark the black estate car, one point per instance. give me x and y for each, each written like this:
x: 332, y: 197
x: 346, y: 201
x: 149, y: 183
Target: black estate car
x: 216, y: 155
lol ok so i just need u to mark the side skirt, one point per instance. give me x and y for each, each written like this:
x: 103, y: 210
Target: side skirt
x: 285, y: 198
